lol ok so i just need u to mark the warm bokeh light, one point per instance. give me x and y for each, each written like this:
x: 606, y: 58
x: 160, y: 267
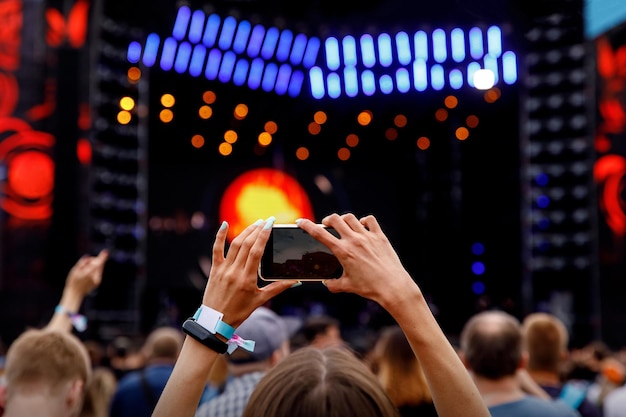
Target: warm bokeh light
x: 127, y: 103
x: 320, y: 117
x: 83, y: 151
x: 230, y: 136
x: 400, y: 120
x: 264, y: 139
x: 391, y: 133
x: 133, y: 74
x: 302, y: 153
x: 343, y: 154
x: 352, y: 140
x: 166, y: 115
x: 225, y: 148
x: 209, y: 97
x: 31, y: 174
x: 241, y: 111
x: 451, y: 102
x: 197, y: 141
x: 461, y: 133
x: 168, y: 100
x: 423, y: 143
x: 124, y: 117
x: 441, y: 115
x: 492, y: 95
x: 260, y: 193
x: 472, y: 121
x: 205, y: 112
x: 314, y: 128
x: 365, y: 118
x: 271, y: 127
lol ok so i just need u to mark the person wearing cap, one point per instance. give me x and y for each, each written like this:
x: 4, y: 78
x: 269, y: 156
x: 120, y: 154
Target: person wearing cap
x: 271, y: 334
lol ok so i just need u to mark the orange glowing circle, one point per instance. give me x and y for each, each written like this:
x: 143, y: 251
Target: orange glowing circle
x: 168, y: 100
x: 240, y: 112
x: 197, y: 141
x: 400, y: 120
x: 271, y: 127
x: 451, y: 102
x: 166, y: 115
x: 423, y: 143
x: 352, y: 140
x: 31, y: 174
x: 441, y: 115
x: 225, y: 148
x: 314, y: 128
x: 471, y: 121
x: 391, y: 133
x: 209, y: 97
x: 265, y: 139
x: 302, y: 153
x: 205, y: 112
x: 364, y: 118
x: 124, y: 117
x: 261, y: 193
x: 462, y: 133
x: 320, y: 117
x: 230, y: 136
x: 343, y: 154
x: 133, y: 74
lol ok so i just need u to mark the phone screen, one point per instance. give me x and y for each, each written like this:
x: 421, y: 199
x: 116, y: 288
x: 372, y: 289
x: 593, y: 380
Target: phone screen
x: 291, y: 253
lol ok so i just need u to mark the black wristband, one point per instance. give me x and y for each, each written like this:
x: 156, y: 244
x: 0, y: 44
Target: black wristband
x: 202, y: 335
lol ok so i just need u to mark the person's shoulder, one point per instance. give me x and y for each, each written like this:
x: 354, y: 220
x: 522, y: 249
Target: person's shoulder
x: 535, y: 406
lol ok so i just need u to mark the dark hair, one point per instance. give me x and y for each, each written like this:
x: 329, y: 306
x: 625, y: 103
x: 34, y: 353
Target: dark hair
x: 313, y: 382
x: 492, y: 344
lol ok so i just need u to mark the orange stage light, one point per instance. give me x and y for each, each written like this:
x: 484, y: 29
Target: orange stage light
x: 261, y: 193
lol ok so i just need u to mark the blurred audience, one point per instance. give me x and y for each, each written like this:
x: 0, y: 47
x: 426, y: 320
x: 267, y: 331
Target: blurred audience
x: 99, y: 393
x: 272, y: 334
x: 546, y: 342
x: 491, y: 346
x: 138, y: 391
x: 401, y: 375
x: 48, y: 371
x: 319, y: 331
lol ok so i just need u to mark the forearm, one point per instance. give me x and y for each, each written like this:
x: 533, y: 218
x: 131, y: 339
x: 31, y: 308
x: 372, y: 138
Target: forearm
x: 184, y: 387
x: 453, y: 390
x: 71, y: 301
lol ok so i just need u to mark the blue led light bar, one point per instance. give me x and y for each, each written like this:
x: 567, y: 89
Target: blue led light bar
x: 282, y: 62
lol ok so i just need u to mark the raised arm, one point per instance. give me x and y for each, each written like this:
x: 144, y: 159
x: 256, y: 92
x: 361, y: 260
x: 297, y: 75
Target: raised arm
x: 373, y: 270
x: 232, y: 290
x: 84, y: 277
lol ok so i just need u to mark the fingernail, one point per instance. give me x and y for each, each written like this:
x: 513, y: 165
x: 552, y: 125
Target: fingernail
x: 269, y: 222
x: 298, y: 221
x: 324, y: 282
x: 258, y: 222
x: 224, y: 225
x: 296, y: 284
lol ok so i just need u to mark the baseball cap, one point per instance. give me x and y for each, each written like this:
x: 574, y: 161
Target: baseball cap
x: 268, y: 330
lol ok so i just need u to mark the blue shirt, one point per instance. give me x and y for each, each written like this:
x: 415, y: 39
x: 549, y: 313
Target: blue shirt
x: 131, y: 399
x: 530, y: 406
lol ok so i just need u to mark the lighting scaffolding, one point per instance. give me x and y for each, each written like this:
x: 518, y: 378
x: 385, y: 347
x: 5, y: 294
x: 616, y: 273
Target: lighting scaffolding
x: 118, y: 192
x: 559, y: 219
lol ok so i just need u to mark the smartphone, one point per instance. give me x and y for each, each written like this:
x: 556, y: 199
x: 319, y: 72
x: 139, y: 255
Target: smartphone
x: 291, y: 253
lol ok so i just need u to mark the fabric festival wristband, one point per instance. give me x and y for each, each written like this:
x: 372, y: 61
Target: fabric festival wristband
x: 78, y: 320
x: 211, y: 320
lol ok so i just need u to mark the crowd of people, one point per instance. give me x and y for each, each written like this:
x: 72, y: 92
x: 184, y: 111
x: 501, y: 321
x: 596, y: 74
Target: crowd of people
x: 236, y: 357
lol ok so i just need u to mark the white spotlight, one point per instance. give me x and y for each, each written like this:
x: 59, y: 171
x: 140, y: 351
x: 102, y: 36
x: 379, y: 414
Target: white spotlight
x: 484, y: 79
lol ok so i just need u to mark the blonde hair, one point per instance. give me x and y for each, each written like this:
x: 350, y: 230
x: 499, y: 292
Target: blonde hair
x: 545, y: 339
x: 45, y: 358
x: 399, y: 370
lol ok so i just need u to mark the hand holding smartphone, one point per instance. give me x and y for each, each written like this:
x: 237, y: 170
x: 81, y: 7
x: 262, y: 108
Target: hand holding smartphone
x: 291, y: 253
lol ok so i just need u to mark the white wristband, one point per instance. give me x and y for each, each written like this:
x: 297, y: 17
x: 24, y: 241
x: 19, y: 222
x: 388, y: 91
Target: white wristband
x: 211, y: 320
